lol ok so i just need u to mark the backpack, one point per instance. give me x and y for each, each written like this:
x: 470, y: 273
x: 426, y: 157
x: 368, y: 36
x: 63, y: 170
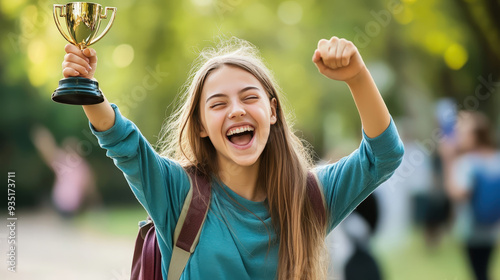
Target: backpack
x: 486, y: 197
x: 146, y: 263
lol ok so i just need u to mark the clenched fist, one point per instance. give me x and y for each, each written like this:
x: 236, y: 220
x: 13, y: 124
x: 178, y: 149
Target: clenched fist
x: 338, y: 59
x: 79, y: 63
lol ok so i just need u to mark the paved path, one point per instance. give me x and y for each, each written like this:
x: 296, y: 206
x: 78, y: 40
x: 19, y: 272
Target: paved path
x: 50, y: 248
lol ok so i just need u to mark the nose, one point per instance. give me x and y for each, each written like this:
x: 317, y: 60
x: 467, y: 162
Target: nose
x: 236, y: 111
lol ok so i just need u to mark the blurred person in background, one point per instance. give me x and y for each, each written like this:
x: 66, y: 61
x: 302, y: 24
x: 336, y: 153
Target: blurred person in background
x: 360, y: 227
x: 437, y: 214
x: 437, y: 205
x: 405, y: 199
x: 74, y: 181
x: 471, y: 165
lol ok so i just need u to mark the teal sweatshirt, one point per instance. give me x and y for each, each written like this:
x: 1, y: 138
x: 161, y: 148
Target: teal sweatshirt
x: 234, y: 242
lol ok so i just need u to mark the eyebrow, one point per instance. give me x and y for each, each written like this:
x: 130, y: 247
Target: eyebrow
x: 224, y: 95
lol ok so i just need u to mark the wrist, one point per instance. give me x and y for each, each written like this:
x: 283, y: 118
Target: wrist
x: 362, y: 76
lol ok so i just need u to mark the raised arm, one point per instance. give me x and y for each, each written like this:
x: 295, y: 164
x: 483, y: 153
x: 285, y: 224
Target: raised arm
x: 338, y: 59
x: 159, y: 184
x: 78, y: 63
x: 349, y: 181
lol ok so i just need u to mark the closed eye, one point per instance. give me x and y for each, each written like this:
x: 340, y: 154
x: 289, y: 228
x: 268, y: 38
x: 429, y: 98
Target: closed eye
x: 216, y: 105
x: 252, y: 97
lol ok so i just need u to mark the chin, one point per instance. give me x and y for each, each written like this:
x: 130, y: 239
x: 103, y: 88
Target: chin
x: 246, y: 162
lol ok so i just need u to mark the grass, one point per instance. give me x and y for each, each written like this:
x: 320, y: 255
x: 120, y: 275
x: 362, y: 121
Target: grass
x: 116, y: 221
x: 416, y: 261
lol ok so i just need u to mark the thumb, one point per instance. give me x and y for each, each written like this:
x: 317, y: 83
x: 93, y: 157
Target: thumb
x: 91, y: 54
x: 319, y: 62
x: 316, y: 56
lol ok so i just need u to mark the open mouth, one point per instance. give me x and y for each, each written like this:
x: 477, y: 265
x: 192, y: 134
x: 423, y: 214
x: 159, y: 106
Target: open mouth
x: 240, y: 136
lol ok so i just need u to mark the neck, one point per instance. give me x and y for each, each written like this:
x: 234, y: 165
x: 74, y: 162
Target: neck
x: 242, y: 180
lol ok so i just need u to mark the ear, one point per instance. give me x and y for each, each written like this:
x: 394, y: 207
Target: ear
x: 203, y: 132
x: 274, y: 106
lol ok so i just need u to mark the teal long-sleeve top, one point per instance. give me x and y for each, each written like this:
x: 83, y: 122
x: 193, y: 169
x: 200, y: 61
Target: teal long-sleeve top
x: 234, y: 243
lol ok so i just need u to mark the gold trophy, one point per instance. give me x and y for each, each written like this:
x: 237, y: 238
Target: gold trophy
x: 82, y: 20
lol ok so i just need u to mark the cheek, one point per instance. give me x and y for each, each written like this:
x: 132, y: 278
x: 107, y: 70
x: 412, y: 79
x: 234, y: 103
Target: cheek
x: 260, y: 111
x: 265, y: 129
x: 267, y: 134
x: 213, y: 122
x: 263, y: 117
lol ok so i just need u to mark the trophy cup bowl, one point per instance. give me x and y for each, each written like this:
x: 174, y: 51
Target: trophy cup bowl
x: 82, y: 21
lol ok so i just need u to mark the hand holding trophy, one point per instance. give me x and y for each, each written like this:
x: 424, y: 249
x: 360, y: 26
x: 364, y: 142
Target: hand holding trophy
x: 82, y: 20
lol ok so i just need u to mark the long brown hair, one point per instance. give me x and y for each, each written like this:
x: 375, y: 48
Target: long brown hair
x: 283, y: 166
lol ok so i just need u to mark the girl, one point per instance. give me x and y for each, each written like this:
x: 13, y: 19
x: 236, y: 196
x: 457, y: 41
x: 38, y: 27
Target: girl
x: 232, y: 128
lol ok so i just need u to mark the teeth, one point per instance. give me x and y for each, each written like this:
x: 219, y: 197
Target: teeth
x: 239, y: 130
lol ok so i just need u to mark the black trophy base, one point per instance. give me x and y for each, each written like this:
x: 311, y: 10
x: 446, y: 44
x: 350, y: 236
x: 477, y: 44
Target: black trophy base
x: 78, y: 91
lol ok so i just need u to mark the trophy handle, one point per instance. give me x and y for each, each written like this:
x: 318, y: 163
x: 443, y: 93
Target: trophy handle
x: 58, y: 24
x: 113, y: 9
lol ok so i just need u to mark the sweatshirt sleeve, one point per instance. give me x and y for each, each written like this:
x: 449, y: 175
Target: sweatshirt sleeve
x: 349, y: 181
x: 160, y: 184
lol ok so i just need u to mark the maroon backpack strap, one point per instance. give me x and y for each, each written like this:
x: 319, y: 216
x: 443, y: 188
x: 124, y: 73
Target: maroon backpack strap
x: 316, y: 196
x: 196, y: 213
x: 146, y: 263
x: 151, y: 260
x: 136, y: 260
x: 188, y: 229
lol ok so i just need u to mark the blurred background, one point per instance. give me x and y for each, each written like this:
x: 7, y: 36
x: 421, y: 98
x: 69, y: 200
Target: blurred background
x: 77, y: 219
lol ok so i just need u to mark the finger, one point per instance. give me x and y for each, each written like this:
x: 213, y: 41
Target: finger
x: 332, y: 56
x: 316, y: 56
x: 91, y: 54
x: 69, y: 48
x: 334, y: 39
x: 322, y: 68
x: 77, y: 67
x: 348, y: 52
x: 338, y: 54
x: 73, y: 58
x: 70, y: 72
x: 323, y: 46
